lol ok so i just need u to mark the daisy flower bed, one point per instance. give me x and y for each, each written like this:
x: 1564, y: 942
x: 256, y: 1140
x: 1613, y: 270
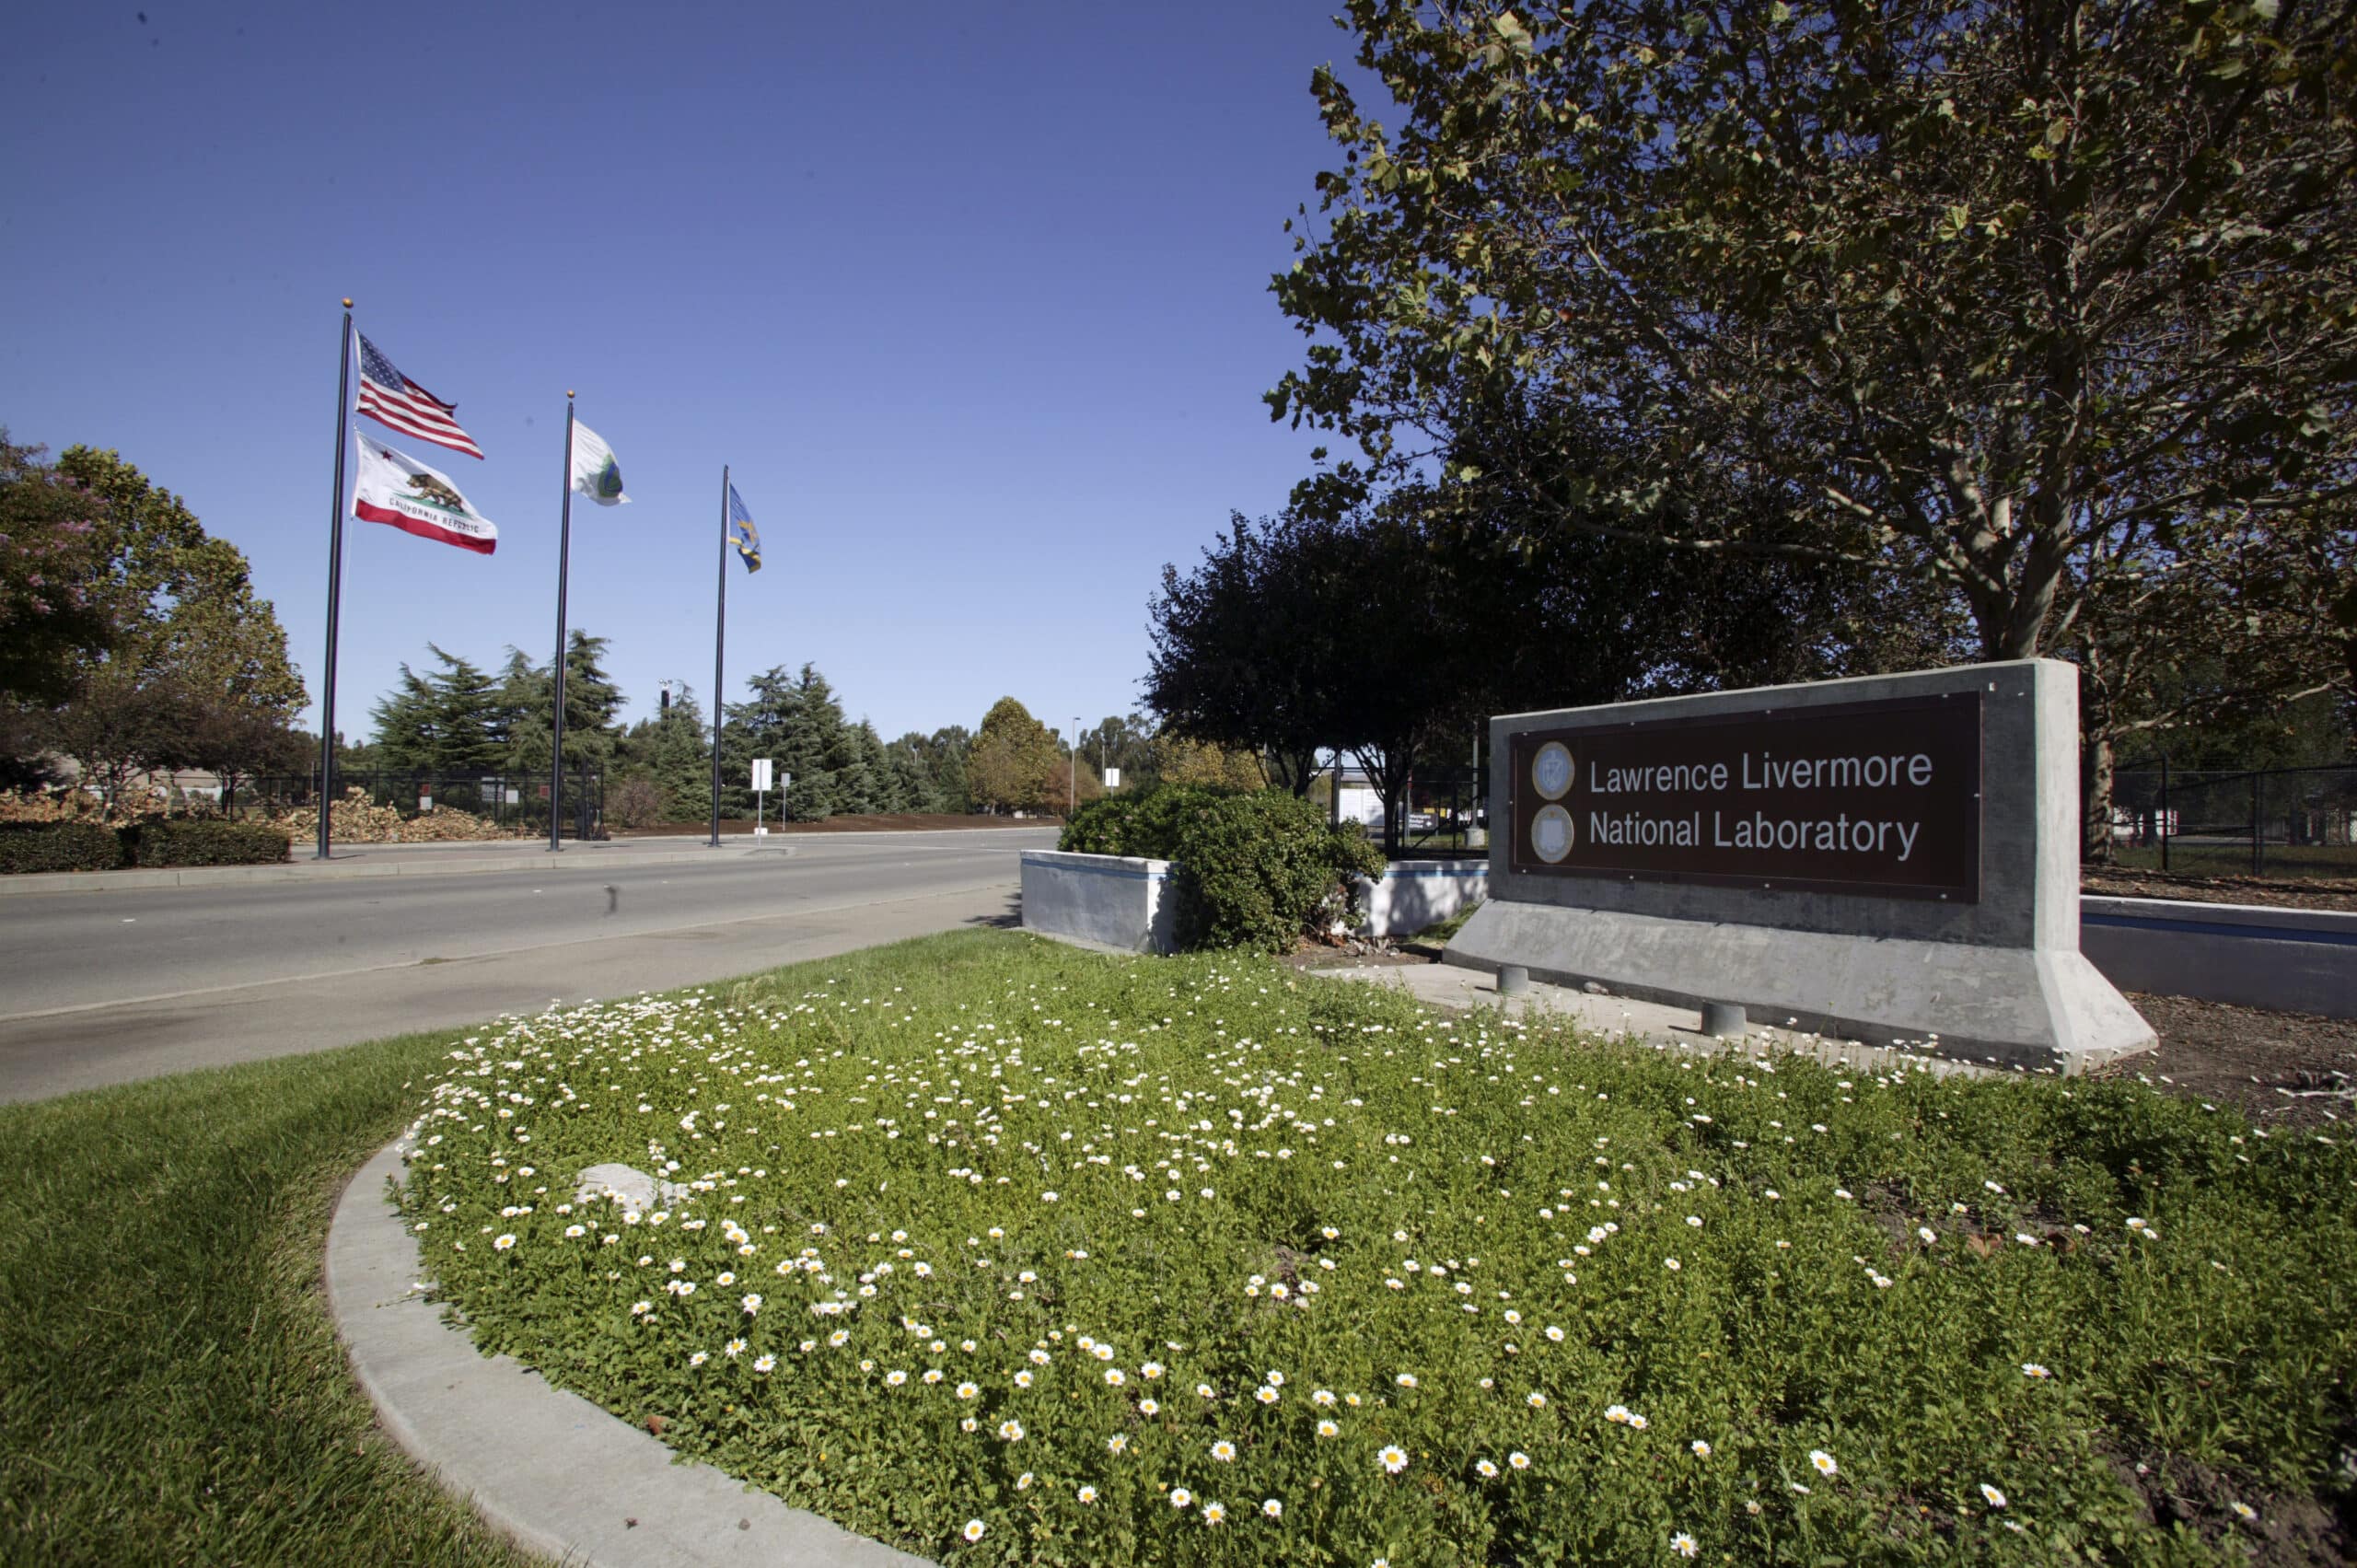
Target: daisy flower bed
x: 1004, y: 1253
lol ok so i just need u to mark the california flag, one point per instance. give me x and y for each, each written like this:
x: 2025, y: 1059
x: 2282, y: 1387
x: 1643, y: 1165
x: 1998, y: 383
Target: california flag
x: 396, y: 488
x: 595, y: 473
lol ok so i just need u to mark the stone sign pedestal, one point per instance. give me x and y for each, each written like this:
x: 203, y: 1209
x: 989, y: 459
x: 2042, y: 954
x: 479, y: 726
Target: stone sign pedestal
x: 1892, y: 859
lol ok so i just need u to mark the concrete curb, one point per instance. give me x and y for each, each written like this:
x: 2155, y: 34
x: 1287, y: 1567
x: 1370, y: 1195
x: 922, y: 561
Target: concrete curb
x: 543, y: 1467
x: 48, y: 882
x: 449, y: 860
x: 2297, y: 960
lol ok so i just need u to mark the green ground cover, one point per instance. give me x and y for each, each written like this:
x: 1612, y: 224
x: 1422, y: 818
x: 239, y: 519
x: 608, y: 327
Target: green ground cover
x: 1009, y: 1253
x: 170, y: 1389
x: 2291, y: 863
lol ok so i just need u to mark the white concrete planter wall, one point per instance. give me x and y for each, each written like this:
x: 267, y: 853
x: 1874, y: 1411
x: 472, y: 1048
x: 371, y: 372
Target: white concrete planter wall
x: 1112, y: 900
x: 1117, y: 901
x: 2296, y: 960
x: 1413, y: 894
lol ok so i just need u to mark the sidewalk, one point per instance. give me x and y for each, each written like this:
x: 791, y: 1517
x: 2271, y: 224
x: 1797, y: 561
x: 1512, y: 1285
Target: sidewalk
x: 1459, y: 988
x: 396, y: 860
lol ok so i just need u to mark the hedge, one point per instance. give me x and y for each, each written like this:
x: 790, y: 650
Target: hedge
x: 1255, y: 869
x: 89, y: 846
x: 200, y: 843
x: 59, y: 846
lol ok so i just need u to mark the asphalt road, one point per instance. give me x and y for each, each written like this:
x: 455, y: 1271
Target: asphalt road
x: 102, y: 989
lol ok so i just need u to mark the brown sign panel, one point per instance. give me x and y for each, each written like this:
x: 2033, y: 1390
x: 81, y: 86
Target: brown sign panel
x: 1879, y: 798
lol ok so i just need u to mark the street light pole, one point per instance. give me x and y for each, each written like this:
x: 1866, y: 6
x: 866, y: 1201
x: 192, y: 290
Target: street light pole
x: 1072, y: 802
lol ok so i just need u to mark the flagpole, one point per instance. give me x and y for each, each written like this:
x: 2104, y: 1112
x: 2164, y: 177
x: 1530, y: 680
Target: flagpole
x: 564, y: 556
x: 719, y: 642
x: 335, y: 586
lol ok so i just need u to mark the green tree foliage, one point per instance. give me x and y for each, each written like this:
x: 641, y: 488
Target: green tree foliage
x: 1017, y: 763
x: 2021, y: 301
x: 1393, y: 632
x: 839, y: 767
x: 194, y: 672
x: 455, y: 721
x: 908, y: 785
x: 941, y: 758
x: 475, y: 720
x: 527, y: 698
x: 673, y: 752
x: 50, y: 620
x: 1126, y: 744
x: 1243, y: 648
x: 406, y: 722
x: 796, y: 721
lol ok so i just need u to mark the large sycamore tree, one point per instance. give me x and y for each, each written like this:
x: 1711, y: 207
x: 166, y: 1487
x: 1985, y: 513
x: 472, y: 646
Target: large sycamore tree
x: 2052, y: 306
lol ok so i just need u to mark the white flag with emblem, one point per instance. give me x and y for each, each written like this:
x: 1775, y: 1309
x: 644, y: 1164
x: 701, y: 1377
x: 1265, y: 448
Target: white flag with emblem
x: 595, y: 473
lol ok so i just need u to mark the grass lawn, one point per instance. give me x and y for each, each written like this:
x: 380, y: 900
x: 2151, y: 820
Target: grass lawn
x: 170, y: 1389
x: 1014, y: 1254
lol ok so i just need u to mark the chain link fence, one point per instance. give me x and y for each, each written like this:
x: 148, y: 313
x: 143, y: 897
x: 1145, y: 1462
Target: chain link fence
x: 2286, y: 822
x: 515, y: 805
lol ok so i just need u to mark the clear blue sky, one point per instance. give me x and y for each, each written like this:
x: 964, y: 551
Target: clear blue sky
x: 974, y: 297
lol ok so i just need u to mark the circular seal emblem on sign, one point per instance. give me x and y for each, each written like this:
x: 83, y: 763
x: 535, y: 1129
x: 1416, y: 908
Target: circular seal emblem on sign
x: 1550, y: 770
x: 1550, y: 833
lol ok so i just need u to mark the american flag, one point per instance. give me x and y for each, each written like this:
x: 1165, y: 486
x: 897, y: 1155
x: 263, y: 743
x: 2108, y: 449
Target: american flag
x: 390, y: 398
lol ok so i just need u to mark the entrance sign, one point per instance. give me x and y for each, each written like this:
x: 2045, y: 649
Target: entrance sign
x: 1892, y: 859
x: 1881, y: 798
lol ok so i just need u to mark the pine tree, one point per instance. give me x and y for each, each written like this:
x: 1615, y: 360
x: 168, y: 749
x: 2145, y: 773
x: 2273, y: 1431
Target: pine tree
x: 795, y: 722
x: 939, y: 760
x: 470, y: 721
x: 523, y: 699
x: 406, y: 723
x: 908, y: 786
x: 591, y: 700
x: 678, y: 752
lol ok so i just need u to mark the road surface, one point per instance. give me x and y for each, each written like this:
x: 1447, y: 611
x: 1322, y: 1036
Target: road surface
x: 107, y: 987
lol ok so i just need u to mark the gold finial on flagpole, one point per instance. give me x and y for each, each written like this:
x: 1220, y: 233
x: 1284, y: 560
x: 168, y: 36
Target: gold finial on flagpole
x: 568, y: 394
x: 347, y: 303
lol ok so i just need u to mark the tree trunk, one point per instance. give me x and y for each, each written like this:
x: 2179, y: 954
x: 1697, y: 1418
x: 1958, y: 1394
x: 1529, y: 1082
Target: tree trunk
x: 1390, y: 783
x: 2097, y: 758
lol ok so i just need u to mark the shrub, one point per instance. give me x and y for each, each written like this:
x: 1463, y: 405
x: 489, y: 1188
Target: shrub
x: 1260, y: 870
x: 1144, y: 823
x: 58, y: 846
x: 1255, y: 869
x: 183, y: 841
x: 636, y: 802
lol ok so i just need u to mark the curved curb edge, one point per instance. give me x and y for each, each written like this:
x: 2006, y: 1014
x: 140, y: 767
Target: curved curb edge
x: 545, y: 1468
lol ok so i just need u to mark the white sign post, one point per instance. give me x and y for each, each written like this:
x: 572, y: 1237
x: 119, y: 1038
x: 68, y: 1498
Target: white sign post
x: 760, y: 787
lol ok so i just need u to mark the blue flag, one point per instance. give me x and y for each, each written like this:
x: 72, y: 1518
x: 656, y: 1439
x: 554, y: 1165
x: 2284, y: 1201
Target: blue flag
x: 742, y: 533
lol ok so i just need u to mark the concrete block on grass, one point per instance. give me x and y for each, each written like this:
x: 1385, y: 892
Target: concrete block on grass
x: 1109, y: 900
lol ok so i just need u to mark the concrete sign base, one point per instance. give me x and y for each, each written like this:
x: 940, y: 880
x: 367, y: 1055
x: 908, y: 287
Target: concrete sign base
x: 2015, y: 1007
x: 1887, y: 858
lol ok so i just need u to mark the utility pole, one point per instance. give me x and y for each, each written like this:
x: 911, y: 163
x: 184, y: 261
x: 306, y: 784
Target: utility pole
x: 1071, y: 801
